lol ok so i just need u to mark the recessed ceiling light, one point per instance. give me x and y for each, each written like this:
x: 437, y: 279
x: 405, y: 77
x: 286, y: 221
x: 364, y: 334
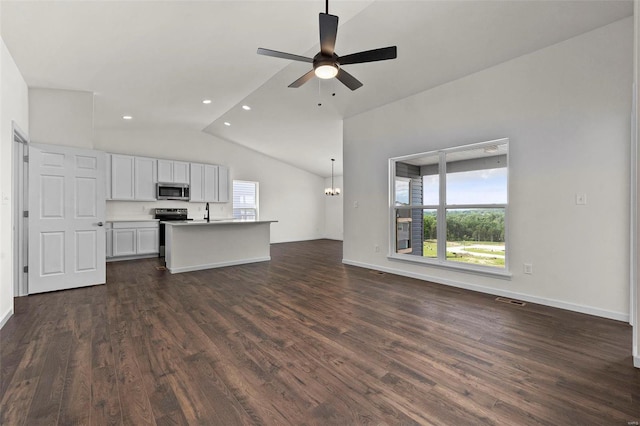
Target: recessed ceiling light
x: 226, y: 123
x: 127, y: 117
x: 206, y: 101
x: 246, y: 107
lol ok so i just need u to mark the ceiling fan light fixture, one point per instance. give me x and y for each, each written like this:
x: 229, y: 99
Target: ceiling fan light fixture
x: 326, y: 71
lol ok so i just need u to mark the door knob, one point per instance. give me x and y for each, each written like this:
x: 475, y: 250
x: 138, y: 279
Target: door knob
x: 100, y: 224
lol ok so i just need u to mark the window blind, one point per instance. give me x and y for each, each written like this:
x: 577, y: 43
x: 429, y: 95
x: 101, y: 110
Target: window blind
x: 245, y: 199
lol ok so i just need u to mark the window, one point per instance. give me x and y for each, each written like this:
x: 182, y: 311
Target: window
x: 245, y: 200
x: 449, y: 207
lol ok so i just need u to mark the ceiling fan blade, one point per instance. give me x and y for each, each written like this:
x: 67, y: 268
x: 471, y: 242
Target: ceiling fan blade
x: 348, y: 80
x: 302, y: 80
x: 381, y: 54
x: 328, y: 31
x: 276, y: 54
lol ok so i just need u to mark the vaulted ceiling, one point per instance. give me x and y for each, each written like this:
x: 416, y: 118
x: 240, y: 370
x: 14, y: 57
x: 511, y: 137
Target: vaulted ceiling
x: 157, y: 60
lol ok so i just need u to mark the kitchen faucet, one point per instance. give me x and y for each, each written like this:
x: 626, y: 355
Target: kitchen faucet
x: 207, y: 209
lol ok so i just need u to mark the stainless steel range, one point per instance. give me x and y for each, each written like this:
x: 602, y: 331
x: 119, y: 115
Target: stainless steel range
x: 165, y: 215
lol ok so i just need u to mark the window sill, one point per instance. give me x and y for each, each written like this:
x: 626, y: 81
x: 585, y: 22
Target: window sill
x: 453, y: 266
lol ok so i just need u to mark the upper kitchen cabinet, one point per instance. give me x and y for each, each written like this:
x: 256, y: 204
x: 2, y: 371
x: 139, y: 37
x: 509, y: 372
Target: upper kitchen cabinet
x: 145, y: 178
x: 131, y: 178
x: 209, y: 183
x: 122, y: 174
x: 196, y: 182
x: 170, y: 171
x: 223, y: 184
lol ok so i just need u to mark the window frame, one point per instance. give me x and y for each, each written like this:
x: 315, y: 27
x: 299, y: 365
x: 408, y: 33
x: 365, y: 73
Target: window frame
x: 441, y: 208
x: 257, y: 197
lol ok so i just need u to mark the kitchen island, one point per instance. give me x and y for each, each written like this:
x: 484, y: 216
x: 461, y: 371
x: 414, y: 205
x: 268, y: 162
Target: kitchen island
x: 197, y: 245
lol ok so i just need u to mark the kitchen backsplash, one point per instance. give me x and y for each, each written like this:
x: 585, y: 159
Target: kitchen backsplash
x: 145, y: 209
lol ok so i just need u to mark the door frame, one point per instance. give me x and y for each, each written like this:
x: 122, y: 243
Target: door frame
x: 20, y: 229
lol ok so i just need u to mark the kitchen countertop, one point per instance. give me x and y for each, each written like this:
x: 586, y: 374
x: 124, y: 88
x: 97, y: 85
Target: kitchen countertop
x: 230, y: 221
x: 133, y: 219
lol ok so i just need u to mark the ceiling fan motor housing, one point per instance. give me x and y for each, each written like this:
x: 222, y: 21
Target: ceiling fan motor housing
x: 320, y: 60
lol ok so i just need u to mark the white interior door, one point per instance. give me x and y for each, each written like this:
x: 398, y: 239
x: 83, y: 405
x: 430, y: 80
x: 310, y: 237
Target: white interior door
x: 66, y: 218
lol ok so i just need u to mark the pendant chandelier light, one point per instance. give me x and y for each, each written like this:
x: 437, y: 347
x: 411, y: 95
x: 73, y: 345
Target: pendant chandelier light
x: 333, y: 190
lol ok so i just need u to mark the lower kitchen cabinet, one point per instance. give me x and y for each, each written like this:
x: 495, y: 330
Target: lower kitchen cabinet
x: 109, y: 239
x: 147, y: 240
x: 133, y: 238
x: 124, y: 242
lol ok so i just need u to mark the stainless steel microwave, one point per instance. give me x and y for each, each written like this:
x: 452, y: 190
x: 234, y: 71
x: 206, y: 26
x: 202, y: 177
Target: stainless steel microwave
x: 173, y: 191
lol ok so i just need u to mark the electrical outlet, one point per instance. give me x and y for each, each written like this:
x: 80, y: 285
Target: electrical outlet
x: 355, y: 204
x: 528, y: 268
x: 376, y: 248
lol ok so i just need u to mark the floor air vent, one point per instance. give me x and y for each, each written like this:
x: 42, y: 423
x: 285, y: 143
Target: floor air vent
x: 510, y: 301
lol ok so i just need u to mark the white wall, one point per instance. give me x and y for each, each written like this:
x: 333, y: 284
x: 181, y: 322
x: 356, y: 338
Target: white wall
x: 566, y: 110
x: 293, y: 197
x: 14, y: 107
x: 61, y: 117
x: 635, y: 290
x: 333, y: 211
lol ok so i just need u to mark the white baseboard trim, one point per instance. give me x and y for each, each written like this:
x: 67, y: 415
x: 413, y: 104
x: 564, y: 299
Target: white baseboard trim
x: 590, y: 310
x: 636, y: 361
x: 132, y: 257
x: 6, y: 317
x: 218, y: 265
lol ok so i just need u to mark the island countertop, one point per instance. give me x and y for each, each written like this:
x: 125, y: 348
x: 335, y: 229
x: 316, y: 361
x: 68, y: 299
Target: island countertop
x: 230, y: 221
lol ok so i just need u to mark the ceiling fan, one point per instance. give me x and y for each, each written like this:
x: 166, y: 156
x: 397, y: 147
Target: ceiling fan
x: 326, y: 64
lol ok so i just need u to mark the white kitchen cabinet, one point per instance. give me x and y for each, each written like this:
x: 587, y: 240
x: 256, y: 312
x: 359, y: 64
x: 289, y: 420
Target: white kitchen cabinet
x: 145, y: 178
x: 170, y: 171
x: 124, y: 242
x: 122, y: 177
x: 109, y: 239
x: 147, y: 240
x: 180, y: 172
x: 196, y: 182
x: 223, y: 184
x: 131, y: 178
x: 209, y: 183
x: 135, y: 238
x: 165, y: 171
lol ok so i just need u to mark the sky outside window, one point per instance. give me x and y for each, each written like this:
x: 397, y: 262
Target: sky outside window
x: 477, y: 187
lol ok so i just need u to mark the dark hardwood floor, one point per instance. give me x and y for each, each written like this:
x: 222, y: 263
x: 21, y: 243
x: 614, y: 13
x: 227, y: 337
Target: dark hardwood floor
x: 306, y: 340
